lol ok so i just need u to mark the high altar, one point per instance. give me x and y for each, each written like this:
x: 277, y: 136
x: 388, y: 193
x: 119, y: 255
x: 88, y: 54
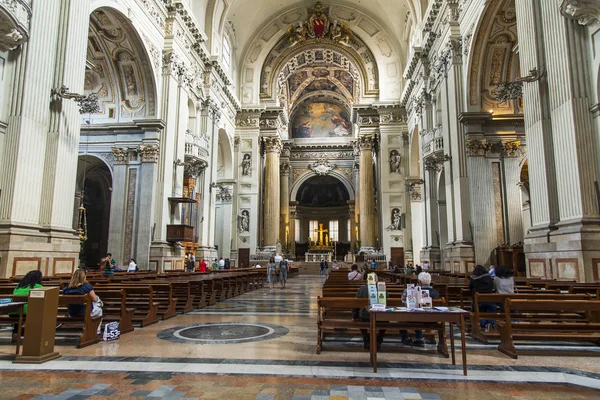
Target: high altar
x: 320, y: 247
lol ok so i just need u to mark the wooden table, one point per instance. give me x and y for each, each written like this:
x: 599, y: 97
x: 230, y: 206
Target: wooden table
x: 451, y: 317
x: 15, y: 307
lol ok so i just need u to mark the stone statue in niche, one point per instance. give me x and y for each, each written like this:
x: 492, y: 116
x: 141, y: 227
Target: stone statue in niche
x: 398, y: 220
x: 246, y: 165
x: 244, y: 221
x: 395, y: 161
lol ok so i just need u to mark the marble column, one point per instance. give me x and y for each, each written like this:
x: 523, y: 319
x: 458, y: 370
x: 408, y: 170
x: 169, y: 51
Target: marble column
x: 272, y: 188
x: 286, y: 224
x: 367, y: 197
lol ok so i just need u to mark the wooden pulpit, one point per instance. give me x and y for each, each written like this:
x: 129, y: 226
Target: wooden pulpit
x: 40, y: 326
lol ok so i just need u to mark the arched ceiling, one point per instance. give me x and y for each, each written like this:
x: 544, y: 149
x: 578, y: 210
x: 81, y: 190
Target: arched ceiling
x: 375, y: 47
x: 247, y: 16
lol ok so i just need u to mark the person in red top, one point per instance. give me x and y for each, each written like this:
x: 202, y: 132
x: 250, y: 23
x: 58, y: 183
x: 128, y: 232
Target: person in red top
x: 203, y: 266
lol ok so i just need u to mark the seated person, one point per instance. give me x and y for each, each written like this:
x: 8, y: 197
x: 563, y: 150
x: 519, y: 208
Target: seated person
x: 79, y: 285
x: 362, y: 314
x: 33, y: 280
x: 425, y: 283
x: 354, y: 275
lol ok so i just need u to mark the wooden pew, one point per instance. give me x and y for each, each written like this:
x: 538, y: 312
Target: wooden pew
x: 545, y: 328
x: 499, y: 299
x: 140, y: 299
x: 115, y: 309
x: 162, y: 296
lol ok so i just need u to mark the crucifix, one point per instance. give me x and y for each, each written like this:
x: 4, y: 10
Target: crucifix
x: 321, y: 231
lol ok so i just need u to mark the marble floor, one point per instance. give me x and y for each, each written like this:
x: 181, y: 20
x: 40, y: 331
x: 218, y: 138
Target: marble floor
x: 261, y: 345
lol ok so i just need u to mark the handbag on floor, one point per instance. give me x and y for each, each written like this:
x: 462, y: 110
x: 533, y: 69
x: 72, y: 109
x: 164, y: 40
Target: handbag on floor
x: 111, y: 332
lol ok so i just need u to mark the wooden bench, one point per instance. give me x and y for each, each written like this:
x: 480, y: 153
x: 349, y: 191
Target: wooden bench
x: 542, y: 325
x: 141, y: 300
x: 162, y: 296
x: 476, y: 316
x: 84, y: 329
x: 115, y: 309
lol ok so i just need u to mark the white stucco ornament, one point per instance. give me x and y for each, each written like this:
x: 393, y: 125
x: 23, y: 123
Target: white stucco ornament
x: 586, y: 12
x: 322, y: 167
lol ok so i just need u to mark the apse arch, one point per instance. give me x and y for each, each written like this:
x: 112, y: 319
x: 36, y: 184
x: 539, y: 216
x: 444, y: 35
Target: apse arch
x: 386, y: 51
x: 335, y: 174
x: 118, y: 68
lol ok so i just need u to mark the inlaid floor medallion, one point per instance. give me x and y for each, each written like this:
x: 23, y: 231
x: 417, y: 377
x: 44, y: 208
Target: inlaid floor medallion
x: 223, y: 333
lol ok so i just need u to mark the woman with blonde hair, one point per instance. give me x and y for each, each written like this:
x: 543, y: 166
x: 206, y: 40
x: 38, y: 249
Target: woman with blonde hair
x: 79, y: 285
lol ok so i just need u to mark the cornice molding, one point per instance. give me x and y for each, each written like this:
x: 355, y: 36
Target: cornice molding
x: 586, y: 12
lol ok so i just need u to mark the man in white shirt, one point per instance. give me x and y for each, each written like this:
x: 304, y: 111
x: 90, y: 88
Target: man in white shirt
x: 221, y: 263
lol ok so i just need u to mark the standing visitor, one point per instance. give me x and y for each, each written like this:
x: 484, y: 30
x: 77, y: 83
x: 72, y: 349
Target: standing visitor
x: 227, y: 263
x: 326, y: 268
x: 373, y: 265
x: 203, y: 265
x: 322, y: 267
x: 221, y: 264
x: 283, y: 269
x: 215, y: 265
x: 271, y: 274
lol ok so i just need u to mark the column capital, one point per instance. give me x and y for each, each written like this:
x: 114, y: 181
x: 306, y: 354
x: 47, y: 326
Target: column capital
x: 285, y: 169
x: 511, y: 148
x: 149, y: 153
x: 586, y: 12
x: 366, y: 142
x: 477, y: 147
x: 120, y: 155
x: 272, y: 144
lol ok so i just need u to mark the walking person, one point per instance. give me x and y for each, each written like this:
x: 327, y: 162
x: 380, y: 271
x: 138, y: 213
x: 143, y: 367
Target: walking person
x: 283, y: 269
x: 271, y: 273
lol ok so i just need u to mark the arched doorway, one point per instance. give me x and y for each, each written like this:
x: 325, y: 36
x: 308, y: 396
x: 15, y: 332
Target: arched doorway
x: 95, y: 187
x: 322, y: 202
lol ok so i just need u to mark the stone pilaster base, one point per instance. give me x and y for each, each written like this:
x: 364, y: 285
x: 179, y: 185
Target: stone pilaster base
x: 432, y: 256
x: 459, y: 258
x: 209, y: 253
x: 166, y: 257
x: 409, y: 257
x: 571, y: 252
x: 25, y: 248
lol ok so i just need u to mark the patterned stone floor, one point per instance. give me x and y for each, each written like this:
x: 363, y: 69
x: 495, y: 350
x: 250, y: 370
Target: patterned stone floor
x: 262, y: 346
x: 79, y: 386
